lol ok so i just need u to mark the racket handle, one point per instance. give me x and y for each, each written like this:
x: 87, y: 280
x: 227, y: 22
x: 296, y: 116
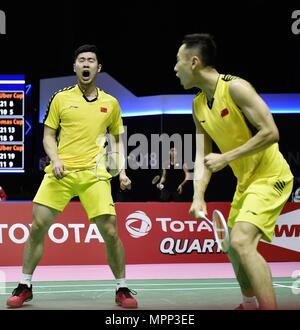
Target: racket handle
x: 202, y: 214
x: 160, y: 186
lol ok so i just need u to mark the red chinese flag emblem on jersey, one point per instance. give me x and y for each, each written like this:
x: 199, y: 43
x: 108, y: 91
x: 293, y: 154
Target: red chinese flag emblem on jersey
x: 103, y: 109
x: 224, y: 112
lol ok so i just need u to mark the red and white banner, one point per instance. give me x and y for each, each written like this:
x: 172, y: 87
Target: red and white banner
x: 151, y: 233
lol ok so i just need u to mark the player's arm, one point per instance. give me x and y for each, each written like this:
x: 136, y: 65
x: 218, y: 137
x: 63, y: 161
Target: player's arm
x: 258, y: 114
x: 163, y: 177
x: 118, y: 146
x: 186, y: 178
x: 162, y: 180
x: 50, y: 146
x: 202, y: 174
x: 116, y: 130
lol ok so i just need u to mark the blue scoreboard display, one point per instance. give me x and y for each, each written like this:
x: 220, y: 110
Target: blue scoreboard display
x: 12, y: 123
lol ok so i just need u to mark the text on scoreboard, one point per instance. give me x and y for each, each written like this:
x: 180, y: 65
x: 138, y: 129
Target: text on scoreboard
x: 12, y: 123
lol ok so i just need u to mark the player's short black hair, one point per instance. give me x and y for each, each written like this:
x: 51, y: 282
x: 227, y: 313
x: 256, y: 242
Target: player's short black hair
x: 205, y: 44
x: 87, y: 48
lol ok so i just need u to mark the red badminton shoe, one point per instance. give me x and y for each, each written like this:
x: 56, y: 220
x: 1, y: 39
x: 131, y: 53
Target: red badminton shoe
x: 21, y: 294
x: 124, y: 298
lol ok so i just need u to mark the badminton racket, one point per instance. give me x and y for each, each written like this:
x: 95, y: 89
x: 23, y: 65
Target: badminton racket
x: 155, y: 180
x: 220, y: 229
x: 108, y: 164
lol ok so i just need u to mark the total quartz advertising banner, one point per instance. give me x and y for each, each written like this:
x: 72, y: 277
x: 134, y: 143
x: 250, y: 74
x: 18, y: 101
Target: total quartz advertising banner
x: 151, y: 233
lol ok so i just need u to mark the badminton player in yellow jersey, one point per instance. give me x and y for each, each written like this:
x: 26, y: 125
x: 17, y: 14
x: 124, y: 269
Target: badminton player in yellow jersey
x: 230, y: 113
x: 81, y: 115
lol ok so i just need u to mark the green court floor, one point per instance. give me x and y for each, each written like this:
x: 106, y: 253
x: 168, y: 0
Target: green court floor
x: 151, y: 294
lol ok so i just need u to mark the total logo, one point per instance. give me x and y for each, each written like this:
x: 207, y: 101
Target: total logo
x: 287, y: 231
x: 138, y: 224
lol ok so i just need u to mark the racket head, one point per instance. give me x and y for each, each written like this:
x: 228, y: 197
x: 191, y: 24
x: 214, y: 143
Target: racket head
x: 109, y: 164
x: 221, y: 231
x: 155, y: 179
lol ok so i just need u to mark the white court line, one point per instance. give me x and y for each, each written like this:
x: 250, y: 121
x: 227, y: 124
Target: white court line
x: 113, y: 285
x: 286, y: 286
x: 131, y: 283
x: 168, y: 301
x: 110, y: 290
x: 162, y: 289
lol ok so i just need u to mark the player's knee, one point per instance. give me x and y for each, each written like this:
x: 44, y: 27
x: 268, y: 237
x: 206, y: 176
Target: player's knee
x: 110, y: 235
x: 240, y: 245
x: 107, y: 226
x: 38, y: 229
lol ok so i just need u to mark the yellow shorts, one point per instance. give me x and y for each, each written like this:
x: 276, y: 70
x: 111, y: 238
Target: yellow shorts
x: 95, y: 195
x: 261, y: 204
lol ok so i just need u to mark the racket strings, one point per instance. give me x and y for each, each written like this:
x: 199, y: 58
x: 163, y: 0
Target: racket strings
x: 221, y: 231
x: 156, y: 179
x: 112, y: 162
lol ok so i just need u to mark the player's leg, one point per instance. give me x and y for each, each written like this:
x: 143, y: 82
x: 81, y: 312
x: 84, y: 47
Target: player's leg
x: 255, y: 213
x: 116, y: 258
x: 49, y: 201
x: 43, y: 217
x: 249, y: 299
x: 98, y: 203
x: 51, y: 198
x: 255, y: 276
x: 97, y: 200
x: 240, y: 273
x: 165, y: 195
x: 106, y: 224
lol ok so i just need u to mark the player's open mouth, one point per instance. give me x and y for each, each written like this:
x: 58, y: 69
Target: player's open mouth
x: 86, y: 74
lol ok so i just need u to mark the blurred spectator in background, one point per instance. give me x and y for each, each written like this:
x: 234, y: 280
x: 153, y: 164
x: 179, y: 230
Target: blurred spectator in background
x: 173, y: 179
x: 296, y: 197
x: 43, y: 162
x: 296, y: 193
x: 2, y: 194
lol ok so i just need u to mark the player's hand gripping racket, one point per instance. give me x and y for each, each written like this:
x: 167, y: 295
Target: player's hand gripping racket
x: 220, y: 229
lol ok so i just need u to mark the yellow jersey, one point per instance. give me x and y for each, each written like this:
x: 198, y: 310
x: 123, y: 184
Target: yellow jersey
x: 82, y: 125
x: 226, y: 124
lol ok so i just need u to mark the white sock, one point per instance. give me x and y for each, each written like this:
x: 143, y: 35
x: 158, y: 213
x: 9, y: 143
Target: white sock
x: 26, y: 279
x: 249, y: 303
x: 121, y: 283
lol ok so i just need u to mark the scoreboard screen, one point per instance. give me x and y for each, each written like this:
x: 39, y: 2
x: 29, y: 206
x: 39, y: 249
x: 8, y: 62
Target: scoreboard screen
x: 12, y: 123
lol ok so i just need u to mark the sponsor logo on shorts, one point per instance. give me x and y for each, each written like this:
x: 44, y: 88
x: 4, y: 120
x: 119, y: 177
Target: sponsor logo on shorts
x: 279, y: 186
x: 249, y: 211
